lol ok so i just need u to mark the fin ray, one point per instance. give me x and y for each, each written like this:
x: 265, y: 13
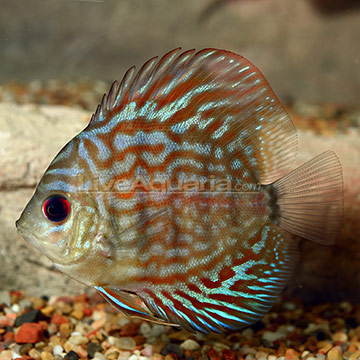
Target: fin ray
x: 209, y: 86
x: 311, y: 199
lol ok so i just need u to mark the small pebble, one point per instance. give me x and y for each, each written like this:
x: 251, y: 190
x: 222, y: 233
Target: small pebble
x: 148, y: 350
x: 335, y: 354
x: 190, y: 345
x: 173, y: 349
x: 145, y: 329
x: 72, y: 355
x: 124, y: 343
x: 92, y: 348
x: 99, y: 356
x: 34, y: 354
x: 78, y: 339
x: 57, y: 350
x: 48, y: 310
x: 24, y: 349
x: 31, y: 316
x: 45, y: 355
x: 272, y: 336
x: 340, y: 336
x: 15, y: 308
x: 6, y: 355
x: 29, y: 333
x: 77, y: 314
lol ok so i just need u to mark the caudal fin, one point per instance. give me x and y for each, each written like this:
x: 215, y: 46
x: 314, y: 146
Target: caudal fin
x: 311, y: 199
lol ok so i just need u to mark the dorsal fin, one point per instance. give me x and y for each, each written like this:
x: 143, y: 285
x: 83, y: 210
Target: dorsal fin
x: 213, y: 96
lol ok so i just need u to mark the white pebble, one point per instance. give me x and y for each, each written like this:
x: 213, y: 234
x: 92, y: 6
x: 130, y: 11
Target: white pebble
x: 57, y: 350
x: 145, y: 329
x: 289, y: 305
x: 15, y: 308
x: 219, y: 347
x: 99, y: 356
x: 190, y: 344
x: 75, y: 333
x: 124, y: 355
x: 15, y: 355
x: 134, y: 357
x: 124, y: 343
x: 272, y: 335
x: 246, y: 349
x: 250, y: 357
x: 78, y: 339
x: 248, y: 332
x: 98, y: 315
x: 123, y: 321
x: 157, y: 330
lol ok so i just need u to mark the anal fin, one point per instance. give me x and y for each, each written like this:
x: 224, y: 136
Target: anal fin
x: 129, y: 304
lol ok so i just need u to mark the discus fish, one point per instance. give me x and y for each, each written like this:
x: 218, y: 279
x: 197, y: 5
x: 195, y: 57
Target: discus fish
x: 176, y: 202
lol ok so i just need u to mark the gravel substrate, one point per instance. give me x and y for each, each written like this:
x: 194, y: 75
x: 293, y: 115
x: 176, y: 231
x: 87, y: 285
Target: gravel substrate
x: 85, y: 327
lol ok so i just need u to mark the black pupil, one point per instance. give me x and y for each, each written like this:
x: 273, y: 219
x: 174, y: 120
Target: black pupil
x: 56, y: 208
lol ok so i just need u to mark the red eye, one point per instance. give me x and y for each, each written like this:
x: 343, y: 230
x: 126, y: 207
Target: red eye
x: 56, y: 208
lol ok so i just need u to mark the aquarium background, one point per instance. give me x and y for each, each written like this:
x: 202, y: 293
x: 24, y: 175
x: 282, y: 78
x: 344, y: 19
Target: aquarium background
x: 57, y: 58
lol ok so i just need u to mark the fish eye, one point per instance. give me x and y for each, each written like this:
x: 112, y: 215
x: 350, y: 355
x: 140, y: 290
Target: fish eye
x: 56, y: 208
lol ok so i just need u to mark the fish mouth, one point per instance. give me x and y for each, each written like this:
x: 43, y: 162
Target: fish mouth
x: 28, y: 236
x: 37, y: 243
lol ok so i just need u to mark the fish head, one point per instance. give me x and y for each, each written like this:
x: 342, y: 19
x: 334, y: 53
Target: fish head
x: 60, y: 219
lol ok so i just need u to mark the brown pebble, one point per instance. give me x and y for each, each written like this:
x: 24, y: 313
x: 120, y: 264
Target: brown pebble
x: 129, y: 329
x: 54, y: 340
x: 45, y: 355
x: 170, y: 357
x: 181, y: 335
x: 40, y: 345
x: 291, y: 354
x: 37, y: 302
x: 324, y: 346
x: 65, y: 330
x: 68, y: 346
x: 24, y: 349
x: 139, y: 339
x: 64, y: 307
x: 48, y: 348
x: 340, y: 336
x: 34, y: 354
x: 77, y: 314
x: 47, y: 310
x: 355, y: 355
x: 156, y: 357
x: 335, y: 354
x: 100, y: 335
x: 112, y: 353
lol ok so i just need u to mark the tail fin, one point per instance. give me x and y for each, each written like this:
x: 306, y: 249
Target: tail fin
x: 311, y: 199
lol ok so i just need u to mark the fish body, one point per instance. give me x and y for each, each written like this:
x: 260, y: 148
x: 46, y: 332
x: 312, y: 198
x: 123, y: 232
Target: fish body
x: 176, y: 201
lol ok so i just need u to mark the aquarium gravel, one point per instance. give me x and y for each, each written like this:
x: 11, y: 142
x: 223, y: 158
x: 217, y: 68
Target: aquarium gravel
x: 84, y: 327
